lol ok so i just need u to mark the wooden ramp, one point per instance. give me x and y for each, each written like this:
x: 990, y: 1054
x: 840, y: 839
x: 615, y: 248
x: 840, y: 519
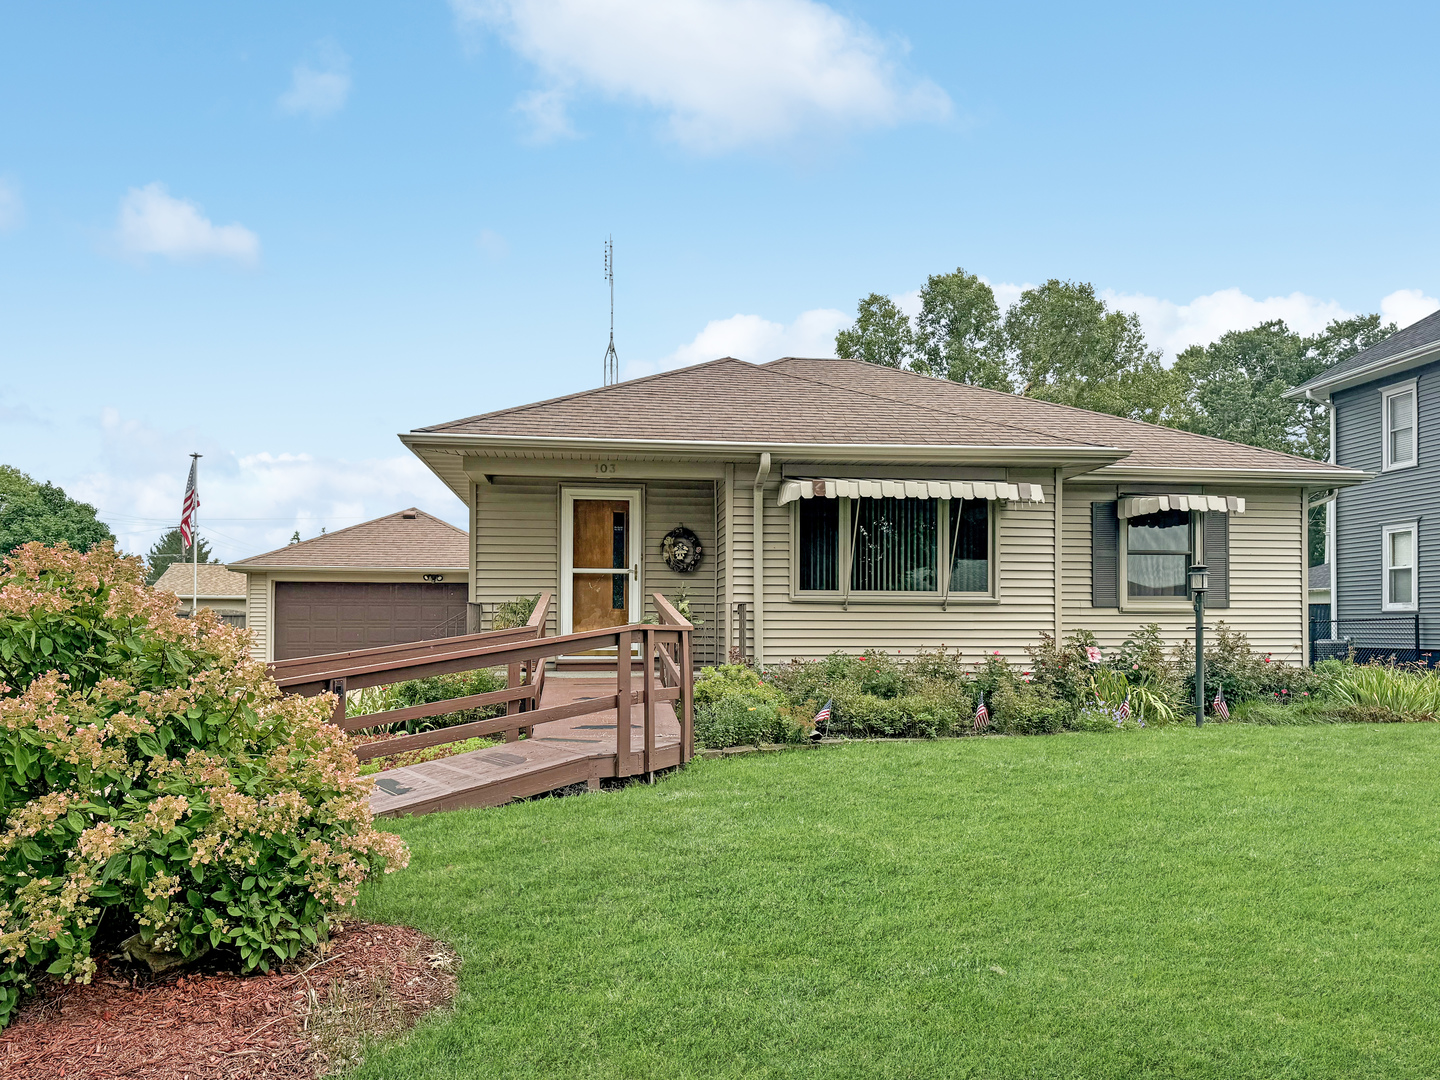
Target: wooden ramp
x: 559, y: 732
x: 558, y: 754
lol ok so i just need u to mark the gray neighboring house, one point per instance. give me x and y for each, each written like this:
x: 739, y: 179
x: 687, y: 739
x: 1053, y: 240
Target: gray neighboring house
x: 1384, y: 536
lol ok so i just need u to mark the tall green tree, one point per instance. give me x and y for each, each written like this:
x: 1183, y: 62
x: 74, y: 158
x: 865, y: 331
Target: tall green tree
x: 1065, y: 345
x: 881, y: 334
x: 1232, y: 388
x: 43, y: 512
x: 167, y: 551
x: 958, y: 332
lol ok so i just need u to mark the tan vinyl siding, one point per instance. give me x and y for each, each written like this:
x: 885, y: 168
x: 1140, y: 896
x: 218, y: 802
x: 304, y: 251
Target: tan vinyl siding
x: 742, y: 548
x: 807, y: 629
x: 669, y: 503
x: 257, y: 615
x: 722, y: 542
x: 1267, y: 585
x: 517, y: 541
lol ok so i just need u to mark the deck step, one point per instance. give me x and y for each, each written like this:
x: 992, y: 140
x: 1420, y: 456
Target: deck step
x: 489, y: 777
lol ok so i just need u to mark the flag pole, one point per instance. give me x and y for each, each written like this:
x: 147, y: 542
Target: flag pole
x: 195, y: 540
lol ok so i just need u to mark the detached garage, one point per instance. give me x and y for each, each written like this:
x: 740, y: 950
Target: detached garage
x: 402, y: 577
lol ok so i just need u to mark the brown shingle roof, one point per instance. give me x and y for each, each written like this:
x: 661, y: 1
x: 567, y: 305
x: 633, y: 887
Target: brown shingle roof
x: 215, y: 580
x: 405, y: 540
x: 1152, y: 446
x: 731, y: 401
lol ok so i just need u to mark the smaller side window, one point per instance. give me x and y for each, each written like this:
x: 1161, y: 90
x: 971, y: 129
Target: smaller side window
x: 1398, y: 415
x: 1399, y: 561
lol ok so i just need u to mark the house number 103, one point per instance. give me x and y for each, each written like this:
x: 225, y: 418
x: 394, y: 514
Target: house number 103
x: 607, y: 468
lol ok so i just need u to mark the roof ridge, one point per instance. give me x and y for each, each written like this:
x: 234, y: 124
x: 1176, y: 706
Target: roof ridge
x: 342, y: 532
x: 513, y: 409
x: 1059, y: 405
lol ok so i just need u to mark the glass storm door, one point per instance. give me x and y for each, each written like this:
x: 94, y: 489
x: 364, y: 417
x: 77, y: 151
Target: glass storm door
x: 603, y: 560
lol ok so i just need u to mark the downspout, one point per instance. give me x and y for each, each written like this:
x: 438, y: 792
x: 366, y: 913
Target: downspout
x: 758, y: 540
x: 1059, y: 557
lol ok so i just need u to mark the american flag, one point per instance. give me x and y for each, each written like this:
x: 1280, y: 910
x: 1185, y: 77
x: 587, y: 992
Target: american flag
x: 1123, y: 713
x: 192, y: 503
x: 823, y: 716
x: 982, y: 715
x: 1221, y: 709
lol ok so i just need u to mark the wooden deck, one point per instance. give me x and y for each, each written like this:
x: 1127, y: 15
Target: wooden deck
x: 558, y: 754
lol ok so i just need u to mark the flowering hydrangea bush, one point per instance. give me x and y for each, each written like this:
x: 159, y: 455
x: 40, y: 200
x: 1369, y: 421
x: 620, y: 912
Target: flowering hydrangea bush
x: 153, y: 778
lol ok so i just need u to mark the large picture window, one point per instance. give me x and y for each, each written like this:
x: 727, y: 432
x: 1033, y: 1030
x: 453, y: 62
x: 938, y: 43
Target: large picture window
x: 1400, y: 566
x: 1157, y: 555
x: 1399, y: 418
x: 858, y: 546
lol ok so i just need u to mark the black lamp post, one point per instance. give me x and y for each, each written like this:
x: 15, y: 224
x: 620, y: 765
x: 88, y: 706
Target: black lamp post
x: 1199, y: 582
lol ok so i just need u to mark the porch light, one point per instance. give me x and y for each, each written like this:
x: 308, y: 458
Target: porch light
x: 1199, y: 575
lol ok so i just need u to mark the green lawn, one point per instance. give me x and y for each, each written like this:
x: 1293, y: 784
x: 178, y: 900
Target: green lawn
x: 1231, y: 902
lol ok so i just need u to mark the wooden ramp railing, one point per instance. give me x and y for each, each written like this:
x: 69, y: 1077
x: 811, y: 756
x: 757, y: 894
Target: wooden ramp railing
x: 664, y: 658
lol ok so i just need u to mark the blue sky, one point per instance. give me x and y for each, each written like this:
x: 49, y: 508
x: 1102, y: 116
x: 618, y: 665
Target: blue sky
x: 279, y: 234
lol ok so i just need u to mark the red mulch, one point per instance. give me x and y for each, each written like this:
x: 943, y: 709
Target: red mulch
x: 376, y: 979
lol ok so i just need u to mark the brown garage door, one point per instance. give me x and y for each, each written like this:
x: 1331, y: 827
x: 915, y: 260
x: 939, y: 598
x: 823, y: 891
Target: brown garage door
x: 313, y: 617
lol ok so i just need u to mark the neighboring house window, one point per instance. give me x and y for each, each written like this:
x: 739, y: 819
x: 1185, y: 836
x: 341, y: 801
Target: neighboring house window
x: 1400, y: 566
x: 892, y: 545
x: 1157, y: 555
x: 1399, y: 415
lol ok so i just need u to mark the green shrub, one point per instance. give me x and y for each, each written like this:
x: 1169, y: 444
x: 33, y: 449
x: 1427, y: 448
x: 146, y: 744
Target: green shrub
x: 423, y: 691
x: 1405, y: 691
x: 1020, y: 708
x: 735, y: 707
x: 151, y: 775
x: 514, y: 613
x: 1232, y: 665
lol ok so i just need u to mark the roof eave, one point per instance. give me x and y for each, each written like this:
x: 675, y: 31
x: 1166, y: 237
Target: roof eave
x: 453, y: 442
x: 1321, y: 388
x: 255, y: 568
x: 1328, y: 477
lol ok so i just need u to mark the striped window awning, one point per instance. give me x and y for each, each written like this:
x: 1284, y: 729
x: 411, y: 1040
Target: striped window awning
x: 1131, y: 506
x: 842, y: 488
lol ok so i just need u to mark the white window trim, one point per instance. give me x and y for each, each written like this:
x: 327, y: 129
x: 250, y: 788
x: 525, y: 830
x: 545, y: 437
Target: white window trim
x: 1157, y: 603
x: 932, y: 596
x: 1409, y: 387
x: 636, y: 497
x: 1413, y: 528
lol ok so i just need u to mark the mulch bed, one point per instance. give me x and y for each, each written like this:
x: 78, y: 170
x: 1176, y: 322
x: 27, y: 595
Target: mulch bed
x: 309, y: 1019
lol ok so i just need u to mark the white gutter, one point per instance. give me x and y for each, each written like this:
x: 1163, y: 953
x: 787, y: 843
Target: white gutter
x: 758, y: 541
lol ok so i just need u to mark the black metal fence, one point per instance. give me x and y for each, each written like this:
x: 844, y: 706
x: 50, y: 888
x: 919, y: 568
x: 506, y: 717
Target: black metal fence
x: 1375, y: 637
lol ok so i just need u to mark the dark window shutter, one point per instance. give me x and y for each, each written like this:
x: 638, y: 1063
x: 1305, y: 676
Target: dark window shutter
x: 1217, y: 558
x: 1104, y: 555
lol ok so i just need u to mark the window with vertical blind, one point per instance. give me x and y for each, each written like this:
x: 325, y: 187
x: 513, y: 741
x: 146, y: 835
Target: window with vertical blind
x: 859, y: 546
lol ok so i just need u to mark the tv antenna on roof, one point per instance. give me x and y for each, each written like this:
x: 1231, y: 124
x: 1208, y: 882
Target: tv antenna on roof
x: 612, y: 358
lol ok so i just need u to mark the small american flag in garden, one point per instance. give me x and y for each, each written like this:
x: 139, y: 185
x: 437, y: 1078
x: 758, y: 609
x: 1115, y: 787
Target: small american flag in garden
x: 192, y: 503
x: 1123, y: 713
x: 823, y: 716
x: 1221, y: 709
x: 982, y: 715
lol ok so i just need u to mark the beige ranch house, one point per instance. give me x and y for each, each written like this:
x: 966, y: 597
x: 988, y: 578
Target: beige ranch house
x: 896, y: 512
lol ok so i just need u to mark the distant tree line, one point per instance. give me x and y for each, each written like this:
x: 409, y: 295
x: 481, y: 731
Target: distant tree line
x: 1060, y: 342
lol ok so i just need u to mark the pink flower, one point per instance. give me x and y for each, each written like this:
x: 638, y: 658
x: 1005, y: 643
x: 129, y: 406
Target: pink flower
x: 1092, y: 653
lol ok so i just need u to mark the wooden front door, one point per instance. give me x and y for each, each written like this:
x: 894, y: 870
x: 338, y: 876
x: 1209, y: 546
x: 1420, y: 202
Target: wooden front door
x: 603, y: 562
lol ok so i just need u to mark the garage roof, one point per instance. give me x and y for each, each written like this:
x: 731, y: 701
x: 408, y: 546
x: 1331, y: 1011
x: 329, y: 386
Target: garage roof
x: 216, y: 583
x: 405, y: 540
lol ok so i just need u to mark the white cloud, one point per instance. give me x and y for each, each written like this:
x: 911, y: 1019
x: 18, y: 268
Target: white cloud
x: 1174, y: 327
x: 724, y: 73
x: 12, y: 206
x: 153, y: 222
x: 753, y: 339
x: 250, y: 503
x: 319, y: 91
x: 1405, y: 306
